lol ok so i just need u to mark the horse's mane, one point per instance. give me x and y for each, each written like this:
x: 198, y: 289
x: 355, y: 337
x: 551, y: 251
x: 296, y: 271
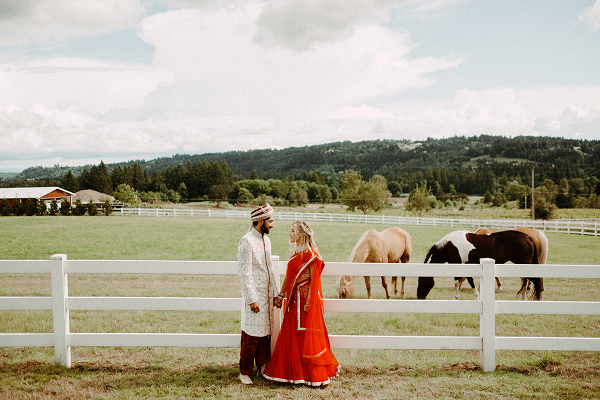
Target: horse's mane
x: 357, y: 246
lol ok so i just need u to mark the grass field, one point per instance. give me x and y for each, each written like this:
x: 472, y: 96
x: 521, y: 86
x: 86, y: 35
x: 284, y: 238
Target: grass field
x: 182, y: 373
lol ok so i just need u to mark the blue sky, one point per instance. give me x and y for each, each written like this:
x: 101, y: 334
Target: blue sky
x: 83, y: 81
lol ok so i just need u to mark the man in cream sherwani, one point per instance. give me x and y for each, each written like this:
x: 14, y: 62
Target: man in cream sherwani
x: 259, y: 287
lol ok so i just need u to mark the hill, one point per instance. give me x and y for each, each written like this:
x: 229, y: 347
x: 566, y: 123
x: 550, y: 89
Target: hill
x: 557, y: 156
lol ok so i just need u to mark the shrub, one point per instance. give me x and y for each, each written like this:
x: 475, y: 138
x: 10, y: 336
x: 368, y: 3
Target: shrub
x: 17, y: 208
x: 107, y: 208
x: 543, y: 209
x: 80, y: 208
x: 53, y: 208
x: 4, y: 208
x: 65, y: 207
x: 92, y: 208
x: 42, y: 209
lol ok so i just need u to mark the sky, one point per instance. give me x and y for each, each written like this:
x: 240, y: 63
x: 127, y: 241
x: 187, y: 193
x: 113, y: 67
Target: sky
x: 84, y: 81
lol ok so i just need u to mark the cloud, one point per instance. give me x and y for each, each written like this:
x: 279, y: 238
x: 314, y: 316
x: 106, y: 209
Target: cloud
x: 591, y: 16
x: 249, y: 78
x: 63, y: 19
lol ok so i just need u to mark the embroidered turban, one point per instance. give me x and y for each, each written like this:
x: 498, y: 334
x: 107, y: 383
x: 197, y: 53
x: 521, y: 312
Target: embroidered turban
x: 263, y: 212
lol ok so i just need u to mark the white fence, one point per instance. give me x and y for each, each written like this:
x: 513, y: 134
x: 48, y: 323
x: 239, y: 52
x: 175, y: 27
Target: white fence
x: 580, y: 227
x: 487, y: 307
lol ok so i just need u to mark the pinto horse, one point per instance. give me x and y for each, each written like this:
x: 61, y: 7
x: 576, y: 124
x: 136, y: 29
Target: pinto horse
x: 461, y: 247
x: 393, y: 245
x: 541, y: 243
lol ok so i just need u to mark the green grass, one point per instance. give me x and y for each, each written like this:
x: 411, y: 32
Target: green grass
x: 181, y: 373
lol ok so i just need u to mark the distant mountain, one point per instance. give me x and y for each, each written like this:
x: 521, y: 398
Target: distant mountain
x: 387, y: 157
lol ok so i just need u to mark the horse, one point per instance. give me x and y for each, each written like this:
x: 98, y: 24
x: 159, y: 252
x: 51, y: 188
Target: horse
x: 461, y: 247
x: 541, y: 243
x: 393, y: 245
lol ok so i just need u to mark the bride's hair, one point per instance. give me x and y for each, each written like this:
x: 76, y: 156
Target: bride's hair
x: 306, y: 240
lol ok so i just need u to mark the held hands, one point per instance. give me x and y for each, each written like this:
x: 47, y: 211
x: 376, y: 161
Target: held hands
x: 278, y: 301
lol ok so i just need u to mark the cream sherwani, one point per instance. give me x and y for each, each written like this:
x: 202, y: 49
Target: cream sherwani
x: 255, y: 270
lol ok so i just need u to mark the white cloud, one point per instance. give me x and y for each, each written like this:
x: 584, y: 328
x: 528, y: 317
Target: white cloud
x: 63, y: 19
x: 591, y: 16
x: 248, y: 78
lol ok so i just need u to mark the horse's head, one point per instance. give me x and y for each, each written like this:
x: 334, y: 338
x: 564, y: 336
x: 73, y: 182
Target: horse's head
x: 424, y: 287
x: 345, y: 287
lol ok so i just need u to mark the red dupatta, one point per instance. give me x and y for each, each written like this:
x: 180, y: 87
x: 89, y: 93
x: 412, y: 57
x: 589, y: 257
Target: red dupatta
x: 316, y: 348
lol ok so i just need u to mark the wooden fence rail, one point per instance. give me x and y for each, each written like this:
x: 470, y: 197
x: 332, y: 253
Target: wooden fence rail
x: 487, y: 307
x: 581, y: 227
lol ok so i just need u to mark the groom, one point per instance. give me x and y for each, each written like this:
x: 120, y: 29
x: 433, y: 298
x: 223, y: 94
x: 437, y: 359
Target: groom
x: 258, y: 283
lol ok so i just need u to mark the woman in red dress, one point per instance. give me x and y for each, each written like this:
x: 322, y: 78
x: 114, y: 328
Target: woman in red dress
x: 302, y: 354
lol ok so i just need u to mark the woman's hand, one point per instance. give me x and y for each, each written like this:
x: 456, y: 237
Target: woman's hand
x: 278, y: 301
x: 306, y: 307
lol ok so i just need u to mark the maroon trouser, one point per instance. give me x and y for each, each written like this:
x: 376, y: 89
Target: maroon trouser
x: 254, y: 349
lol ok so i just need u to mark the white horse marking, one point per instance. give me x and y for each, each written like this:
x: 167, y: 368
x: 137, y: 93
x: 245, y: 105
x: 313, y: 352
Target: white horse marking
x: 459, y: 240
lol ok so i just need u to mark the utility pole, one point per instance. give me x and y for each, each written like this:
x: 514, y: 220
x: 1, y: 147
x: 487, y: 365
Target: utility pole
x: 532, y: 195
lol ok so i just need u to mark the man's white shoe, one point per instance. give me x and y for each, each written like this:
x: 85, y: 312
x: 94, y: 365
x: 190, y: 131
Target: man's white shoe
x: 245, y: 379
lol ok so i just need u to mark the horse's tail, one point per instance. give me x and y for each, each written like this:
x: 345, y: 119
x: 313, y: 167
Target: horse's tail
x: 535, y: 258
x: 537, y: 288
x: 543, y: 255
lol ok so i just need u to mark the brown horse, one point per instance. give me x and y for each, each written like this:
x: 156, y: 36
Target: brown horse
x: 393, y: 245
x: 541, y: 243
x: 461, y: 247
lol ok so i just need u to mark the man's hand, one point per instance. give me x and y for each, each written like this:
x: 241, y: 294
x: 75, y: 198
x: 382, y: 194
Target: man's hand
x: 254, y: 307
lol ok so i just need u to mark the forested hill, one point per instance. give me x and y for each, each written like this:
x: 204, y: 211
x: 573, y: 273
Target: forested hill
x: 392, y: 158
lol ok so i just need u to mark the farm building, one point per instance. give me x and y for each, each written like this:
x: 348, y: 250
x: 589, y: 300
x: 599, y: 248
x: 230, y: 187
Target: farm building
x: 45, y: 194
x: 96, y: 197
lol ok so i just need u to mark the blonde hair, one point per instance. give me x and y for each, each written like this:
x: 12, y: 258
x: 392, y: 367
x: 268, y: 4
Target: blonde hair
x: 306, y: 240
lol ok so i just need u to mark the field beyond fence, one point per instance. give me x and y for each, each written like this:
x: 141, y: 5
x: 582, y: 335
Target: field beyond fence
x: 562, y: 226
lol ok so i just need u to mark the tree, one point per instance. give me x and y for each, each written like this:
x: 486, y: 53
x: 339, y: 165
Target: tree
x: 244, y: 196
x: 92, y: 208
x: 53, y: 208
x: 80, y: 208
x: 126, y: 194
x: 69, y: 182
x: 418, y: 199
x: 107, y: 208
x: 371, y: 196
x: 65, y: 207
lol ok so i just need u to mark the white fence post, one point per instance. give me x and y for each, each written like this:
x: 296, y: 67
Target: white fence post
x: 487, y: 320
x: 60, y: 314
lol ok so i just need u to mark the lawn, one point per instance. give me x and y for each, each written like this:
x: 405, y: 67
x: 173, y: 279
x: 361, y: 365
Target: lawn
x: 182, y: 373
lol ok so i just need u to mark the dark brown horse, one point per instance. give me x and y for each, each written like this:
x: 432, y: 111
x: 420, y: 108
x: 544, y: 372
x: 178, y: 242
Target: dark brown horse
x: 541, y: 244
x: 461, y: 247
x: 393, y: 245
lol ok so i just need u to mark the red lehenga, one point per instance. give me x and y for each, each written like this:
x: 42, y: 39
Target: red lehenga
x: 302, y: 354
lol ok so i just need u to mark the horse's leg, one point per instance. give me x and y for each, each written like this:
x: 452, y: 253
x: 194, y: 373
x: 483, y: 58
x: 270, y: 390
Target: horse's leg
x: 457, y: 283
x: 385, y: 287
x: 499, y: 283
x: 475, y: 292
x: 403, y: 278
x: 395, y: 284
x: 368, y: 285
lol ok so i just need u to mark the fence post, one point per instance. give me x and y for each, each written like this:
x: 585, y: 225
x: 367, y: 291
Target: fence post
x: 60, y: 314
x: 487, y: 320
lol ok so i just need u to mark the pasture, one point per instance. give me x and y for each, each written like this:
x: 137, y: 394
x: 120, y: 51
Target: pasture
x: 128, y: 373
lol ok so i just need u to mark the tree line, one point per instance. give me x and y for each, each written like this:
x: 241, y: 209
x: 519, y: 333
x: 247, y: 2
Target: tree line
x: 500, y: 169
